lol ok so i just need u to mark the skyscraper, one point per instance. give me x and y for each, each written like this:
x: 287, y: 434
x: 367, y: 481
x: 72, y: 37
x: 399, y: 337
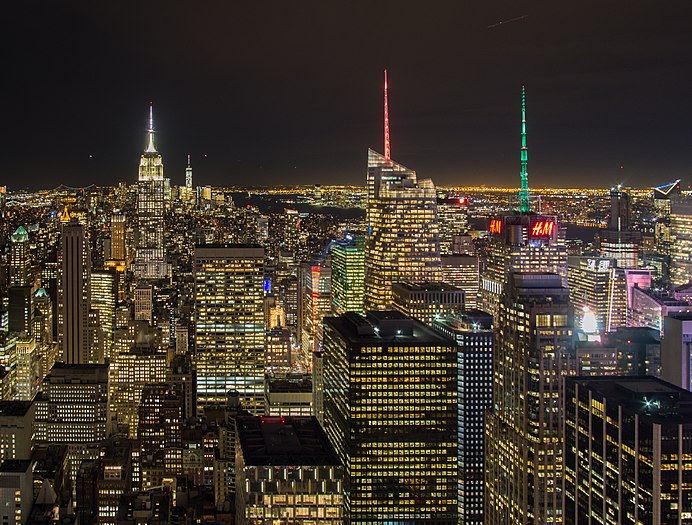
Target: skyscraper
x: 452, y: 213
x: 314, y: 302
x: 402, y: 242
x: 103, y: 300
x: 390, y: 411
x: 150, y: 261
x: 20, y: 263
x: 74, y: 294
x: 229, y: 323
x: 663, y: 239
x: 522, y: 241
x: 626, y: 451
x: 619, y: 241
x: 473, y: 334
x: 348, y: 274
x: 681, y: 234
x: 118, y: 252
x: 462, y: 271
x: 676, y: 350
x: 523, y: 431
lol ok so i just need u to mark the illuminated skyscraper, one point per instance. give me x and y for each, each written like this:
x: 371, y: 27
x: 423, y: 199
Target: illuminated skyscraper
x: 452, y: 213
x: 626, y: 451
x: 314, y: 302
x: 188, y: 175
x: 619, y: 242
x: 473, y: 334
x: 523, y: 241
x: 20, y: 263
x: 348, y: 274
x: 402, y: 242
x: 74, y: 295
x: 523, y: 432
x: 229, y: 324
x: 681, y: 234
x: 676, y: 350
x: 390, y: 411
x: 595, y: 283
x: 427, y: 301
x: 663, y: 239
x: 462, y: 271
x: 118, y: 252
x: 150, y: 261
x: 103, y: 299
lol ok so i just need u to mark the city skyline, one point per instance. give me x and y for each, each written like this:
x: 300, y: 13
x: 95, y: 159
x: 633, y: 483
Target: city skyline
x: 248, y: 99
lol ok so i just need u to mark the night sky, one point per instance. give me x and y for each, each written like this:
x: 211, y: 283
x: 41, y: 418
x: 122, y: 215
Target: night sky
x: 283, y: 92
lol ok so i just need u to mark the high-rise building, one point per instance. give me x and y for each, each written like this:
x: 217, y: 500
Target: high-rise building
x: 523, y: 433
x: 595, y: 284
x: 426, y: 301
x: 663, y: 238
x: 390, y: 411
x: 20, y: 261
x: 619, y: 241
x: 314, y: 302
x: 118, y: 250
x: 21, y: 309
x: 522, y: 241
x: 188, y: 174
x: 74, y: 294
x: 452, y: 214
x: 150, y: 260
x: 681, y: 235
x: 402, y: 241
x: 229, y: 323
x: 16, y: 491
x: 625, y: 451
x: 462, y: 271
x: 676, y: 350
x: 72, y: 409
x: 287, y: 471
x: 103, y: 300
x: 144, y: 303
x: 473, y: 334
x: 348, y: 274
x: 16, y: 429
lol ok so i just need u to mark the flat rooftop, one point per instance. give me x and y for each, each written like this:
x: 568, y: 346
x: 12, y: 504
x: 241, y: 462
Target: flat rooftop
x: 15, y: 465
x: 385, y: 328
x: 426, y: 286
x: 647, y: 396
x: 284, y: 441
x: 14, y: 408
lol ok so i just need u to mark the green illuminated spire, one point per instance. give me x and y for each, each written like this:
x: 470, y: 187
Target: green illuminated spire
x: 524, y: 205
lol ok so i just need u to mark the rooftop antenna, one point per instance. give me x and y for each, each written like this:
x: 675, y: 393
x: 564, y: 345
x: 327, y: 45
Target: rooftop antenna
x: 524, y: 205
x: 387, y: 146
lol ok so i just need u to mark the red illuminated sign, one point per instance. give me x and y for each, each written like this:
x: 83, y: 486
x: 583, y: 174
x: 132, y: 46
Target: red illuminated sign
x: 495, y: 226
x: 542, y: 228
x: 462, y: 201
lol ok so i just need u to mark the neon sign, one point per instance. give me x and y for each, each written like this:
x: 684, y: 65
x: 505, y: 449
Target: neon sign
x: 542, y: 228
x: 495, y: 225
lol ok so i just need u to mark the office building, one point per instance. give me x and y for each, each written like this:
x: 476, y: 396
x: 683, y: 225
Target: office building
x: 21, y: 309
x: 72, y: 409
x: 103, y: 300
x: 472, y: 333
x: 638, y: 351
x: 625, y: 451
x: 681, y: 234
x: 74, y: 294
x: 522, y: 241
x: 462, y: 271
x: 426, y: 301
x: 229, y: 323
x: 452, y: 215
x: 402, y: 240
x: 113, y: 478
x: 663, y: 238
x: 16, y: 491
x: 676, y: 350
x: 314, y: 302
x: 289, y: 396
x: 277, y: 354
x: 144, y: 303
x: 20, y: 258
x: 619, y: 241
x: 150, y: 255
x: 287, y: 471
x: 596, y: 286
x: 649, y: 308
x: 523, y: 433
x: 16, y: 429
x: 348, y: 274
x: 390, y: 411
x: 118, y: 245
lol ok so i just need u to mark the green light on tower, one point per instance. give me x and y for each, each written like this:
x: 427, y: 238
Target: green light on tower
x: 524, y: 206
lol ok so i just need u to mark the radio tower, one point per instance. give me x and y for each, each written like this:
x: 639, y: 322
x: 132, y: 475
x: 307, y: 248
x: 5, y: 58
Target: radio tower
x: 387, y: 147
x: 524, y: 205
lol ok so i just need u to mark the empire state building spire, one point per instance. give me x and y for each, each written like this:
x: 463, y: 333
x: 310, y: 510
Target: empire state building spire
x: 151, y: 148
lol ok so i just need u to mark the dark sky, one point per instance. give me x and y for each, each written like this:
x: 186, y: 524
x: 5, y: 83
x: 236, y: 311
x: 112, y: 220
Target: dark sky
x: 266, y: 92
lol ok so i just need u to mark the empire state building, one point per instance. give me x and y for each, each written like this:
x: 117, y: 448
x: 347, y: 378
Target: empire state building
x: 150, y: 260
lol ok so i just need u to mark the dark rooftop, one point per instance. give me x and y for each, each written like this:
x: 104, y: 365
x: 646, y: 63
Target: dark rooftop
x: 647, y: 396
x: 284, y: 441
x: 385, y: 328
x: 15, y: 465
x: 14, y: 408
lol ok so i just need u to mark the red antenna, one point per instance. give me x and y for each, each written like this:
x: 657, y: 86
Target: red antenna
x: 387, y: 148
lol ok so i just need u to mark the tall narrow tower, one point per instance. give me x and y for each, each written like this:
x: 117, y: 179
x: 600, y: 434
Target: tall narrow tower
x: 150, y: 262
x: 403, y: 241
x: 524, y: 205
x: 188, y: 174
